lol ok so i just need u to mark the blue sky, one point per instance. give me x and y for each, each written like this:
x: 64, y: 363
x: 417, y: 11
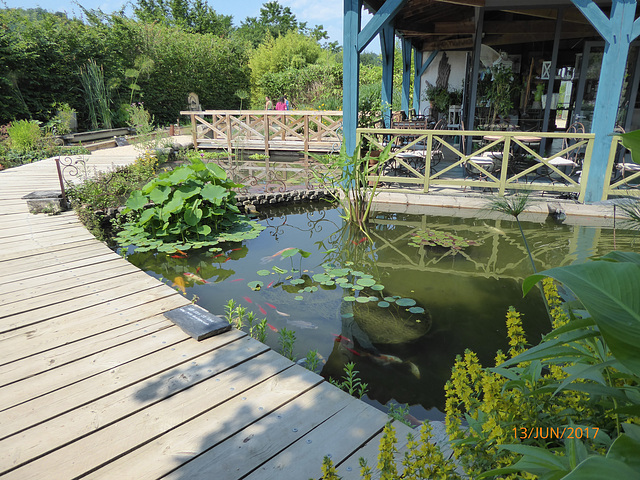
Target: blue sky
x: 327, y: 12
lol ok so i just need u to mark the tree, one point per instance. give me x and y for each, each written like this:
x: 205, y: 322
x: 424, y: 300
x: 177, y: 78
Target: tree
x: 274, y: 21
x: 195, y: 16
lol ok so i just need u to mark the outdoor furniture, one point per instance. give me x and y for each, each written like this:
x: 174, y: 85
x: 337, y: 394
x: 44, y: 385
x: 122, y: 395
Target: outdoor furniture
x: 569, y: 163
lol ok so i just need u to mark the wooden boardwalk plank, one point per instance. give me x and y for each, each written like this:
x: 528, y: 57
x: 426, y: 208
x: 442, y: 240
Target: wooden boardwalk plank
x: 233, y: 410
x: 143, y: 415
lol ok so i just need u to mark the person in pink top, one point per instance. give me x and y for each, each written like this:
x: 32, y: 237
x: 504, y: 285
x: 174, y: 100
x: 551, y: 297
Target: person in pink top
x: 281, y: 105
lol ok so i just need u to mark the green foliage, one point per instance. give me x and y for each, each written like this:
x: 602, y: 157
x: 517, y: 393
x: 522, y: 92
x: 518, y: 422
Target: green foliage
x: 142, y: 66
x: 312, y: 361
x: 24, y: 136
x: 194, y: 16
x: 433, y: 238
x: 96, y: 95
x: 192, y: 206
x: 287, y: 341
x: 631, y: 140
x: 399, y: 412
x: 349, y: 174
x: 273, y: 22
x: 502, y: 91
x: 350, y: 382
x: 61, y: 123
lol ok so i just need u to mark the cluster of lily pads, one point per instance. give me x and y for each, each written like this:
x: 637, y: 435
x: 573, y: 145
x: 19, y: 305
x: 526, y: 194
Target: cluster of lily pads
x: 435, y: 238
x: 354, y: 281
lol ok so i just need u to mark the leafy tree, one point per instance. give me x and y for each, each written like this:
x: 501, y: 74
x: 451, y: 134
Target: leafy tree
x: 274, y: 21
x: 195, y: 16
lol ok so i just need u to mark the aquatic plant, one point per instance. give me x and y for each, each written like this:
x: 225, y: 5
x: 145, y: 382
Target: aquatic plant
x: 192, y: 206
x: 287, y: 340
x: 398, y: 412
x: 349, y: 177
x: 96, y: 95
x: 350, y: 382
x: 433, y: 238
x: 312, y: 361
x: 513, y: 206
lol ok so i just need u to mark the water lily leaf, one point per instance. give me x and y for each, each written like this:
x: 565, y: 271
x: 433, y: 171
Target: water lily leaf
x: 347, y: 315
x: 214, y: 193
x: 263, y: 273
x: 372, y: 298
x: 383, y: 304
x: 297, y: 281
x: 257, y: 285
x: 366, y: 282
x: 147, y: 215
x: 346, y: 285
x: 362, y: 299
x: 358, y: 287
x: 298, y: 297
x: 202, y: 230
x: 406, y: 302
x: 160, y: 194
x: 416, y: 310
x: 357, y: 273
x: 349, y: 298
x: 289, y: 253
x: 321, y: 277
x: 136, y: 200
x: 328, y: 283
x: 377, y: 287
x: 390, y: 299
x: 278, y: 270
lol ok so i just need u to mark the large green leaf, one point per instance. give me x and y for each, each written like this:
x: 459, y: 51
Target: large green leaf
x: 159, y: 194
x: 609, y: 291
x: 213, y: 193
x: 136, y: 201
x: 187, y: 191
x: 599, y: 468
x: 217, y: 170
x: 631, y: 141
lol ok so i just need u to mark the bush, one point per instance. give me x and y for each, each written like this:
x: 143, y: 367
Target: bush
x: 24, y: 136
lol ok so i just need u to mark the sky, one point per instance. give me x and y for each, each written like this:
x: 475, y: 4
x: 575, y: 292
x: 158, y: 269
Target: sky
x: 327, y: 13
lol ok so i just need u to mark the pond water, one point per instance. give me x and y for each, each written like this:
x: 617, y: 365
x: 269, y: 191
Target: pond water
x: 401, y: 313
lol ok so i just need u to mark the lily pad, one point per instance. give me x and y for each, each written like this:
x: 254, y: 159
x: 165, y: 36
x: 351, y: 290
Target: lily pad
x: 278, y: 270
x: 358, y: 287
x: 357, y: 273
x: 406, y: 302
x: 321, y: 277
x: 372, y: 298
x: 416, y: 310
x: 257, y: 285
x: 377, y: 287
x: 362, y: 299
x: 383, y: 304
x: 298, y: 297
x: 264, y: 273
x: 349, y: 298
x: 390, y: 299
x: 366, y: 282
x: 297, y: 281
x: 346, y: 285
x: 347, y: 315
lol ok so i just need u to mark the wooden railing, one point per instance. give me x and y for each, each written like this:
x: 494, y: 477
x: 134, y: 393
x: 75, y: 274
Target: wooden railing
x: 296, y: 130
x: 499, y: 161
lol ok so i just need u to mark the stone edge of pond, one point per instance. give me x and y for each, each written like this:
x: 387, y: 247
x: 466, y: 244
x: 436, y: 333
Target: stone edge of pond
x: 248, y: 202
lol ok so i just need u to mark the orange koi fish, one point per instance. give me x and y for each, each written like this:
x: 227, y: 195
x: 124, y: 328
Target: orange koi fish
x: 269, y: 286
x: 194, y: 277
x: 272, y: 327
x: 179, y: 282
x: 262, y: 310
x: 272, y: 257
x: 272, y: 306
x: 341, y: 339
x: 237, y: 280
x: 247, y: 299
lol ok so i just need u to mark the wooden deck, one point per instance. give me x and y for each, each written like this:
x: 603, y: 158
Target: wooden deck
x: 95, y: 382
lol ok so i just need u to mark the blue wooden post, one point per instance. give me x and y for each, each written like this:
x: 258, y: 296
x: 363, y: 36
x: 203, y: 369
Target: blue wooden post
x: 350, y: 72
x: 618, y: 32
x: 387, y: 48
x: 417, y: 79
x: 406, y: 76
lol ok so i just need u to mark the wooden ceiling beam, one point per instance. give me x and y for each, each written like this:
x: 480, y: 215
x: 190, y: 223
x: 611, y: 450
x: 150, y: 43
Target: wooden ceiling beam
x: 492, y: 27
x: 465, y: 3
x: 570, y: 16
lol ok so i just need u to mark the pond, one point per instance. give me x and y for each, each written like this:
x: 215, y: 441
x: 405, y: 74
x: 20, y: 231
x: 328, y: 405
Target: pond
x: 401, y: 313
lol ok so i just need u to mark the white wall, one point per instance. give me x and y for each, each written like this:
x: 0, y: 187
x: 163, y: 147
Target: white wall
x: 458, y: 62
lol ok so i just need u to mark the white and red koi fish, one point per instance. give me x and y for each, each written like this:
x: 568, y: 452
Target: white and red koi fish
x: 194, y: 277
x: 273, y: 257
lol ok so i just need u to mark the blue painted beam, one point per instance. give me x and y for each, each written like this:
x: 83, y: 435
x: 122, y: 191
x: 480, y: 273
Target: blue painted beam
x: 617, y: 32
x: 417, y: 79
x: 432, y: 57
x: 406, y: 75
x: 383, y: 17
x: 350, y: 72
x: 387, y: 47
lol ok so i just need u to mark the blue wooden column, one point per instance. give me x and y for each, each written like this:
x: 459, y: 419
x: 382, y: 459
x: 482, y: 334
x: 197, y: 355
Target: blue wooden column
x: 387, y: 49
x: 419, y: 69
x: 618, y: 32
x: 350, y: 72
x: 406, y: 76
x: 354, y: 42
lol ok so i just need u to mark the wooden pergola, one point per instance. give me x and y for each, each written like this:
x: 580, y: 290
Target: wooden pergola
x: 438, y: 25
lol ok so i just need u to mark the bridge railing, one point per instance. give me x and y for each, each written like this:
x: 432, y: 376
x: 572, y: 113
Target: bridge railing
x: 291, y: 130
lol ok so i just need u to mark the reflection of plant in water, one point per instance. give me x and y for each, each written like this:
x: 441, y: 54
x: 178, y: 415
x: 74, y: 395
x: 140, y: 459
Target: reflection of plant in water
x: 432, y: 238
x: 351, y: 383
x: 514, y: 205
x: 399, y: 412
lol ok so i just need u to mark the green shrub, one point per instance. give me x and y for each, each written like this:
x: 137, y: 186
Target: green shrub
x: 24, y: 136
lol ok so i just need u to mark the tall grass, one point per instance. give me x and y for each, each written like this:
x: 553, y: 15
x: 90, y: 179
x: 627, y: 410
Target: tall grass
x: 96, y: 95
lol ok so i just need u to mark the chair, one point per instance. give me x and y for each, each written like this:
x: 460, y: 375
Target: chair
x: 572, y: 161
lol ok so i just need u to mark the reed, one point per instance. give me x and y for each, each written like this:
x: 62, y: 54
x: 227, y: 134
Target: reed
x: 96, y: 95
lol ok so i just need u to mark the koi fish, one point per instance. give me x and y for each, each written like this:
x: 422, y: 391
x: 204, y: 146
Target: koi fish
x: 226, y: 260
x: 194, y: 277
x: 272, y: 257
x: 272, y: 327
x: 362, y: 240
x: 181, y: 252
x: 177, y: 256
x: 218, y: 255
x: 282, y: 313
x: 262, y: 310
x: 247, y: 299
x: 341, y: 339
x: 269, y: 286
x: 235, y: 249
x: 237, y: 280
x: 494, y: 229
x: 269, y: 305
x: 179, y: 282
x: 353, y: 351
x: 386, y: 359
x: 302, y: 324
x: 414, y: 369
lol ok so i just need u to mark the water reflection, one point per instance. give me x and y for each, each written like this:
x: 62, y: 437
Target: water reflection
x: 459, y: 300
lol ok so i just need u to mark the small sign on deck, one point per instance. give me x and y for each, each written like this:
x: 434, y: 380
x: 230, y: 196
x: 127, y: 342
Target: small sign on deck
x: 197, y: 322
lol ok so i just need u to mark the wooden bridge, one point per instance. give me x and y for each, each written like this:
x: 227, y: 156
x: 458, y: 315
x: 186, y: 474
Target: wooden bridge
x: 95, y: 382
x: 267, y: 130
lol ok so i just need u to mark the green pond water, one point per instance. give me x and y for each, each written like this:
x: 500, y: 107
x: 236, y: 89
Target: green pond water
x: 401, y: 313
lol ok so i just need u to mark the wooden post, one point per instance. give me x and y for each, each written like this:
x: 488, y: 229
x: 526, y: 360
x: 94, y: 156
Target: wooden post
x: 229, y: 134
x: 194, y: 132
x: 306, y: 136
x: 552, y: 78
x: 387, y: 47
x: 618, y: 32
x: 351, y: 72
x: 266, y: 133
x: 417, y: 79
x: 406, y: 75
